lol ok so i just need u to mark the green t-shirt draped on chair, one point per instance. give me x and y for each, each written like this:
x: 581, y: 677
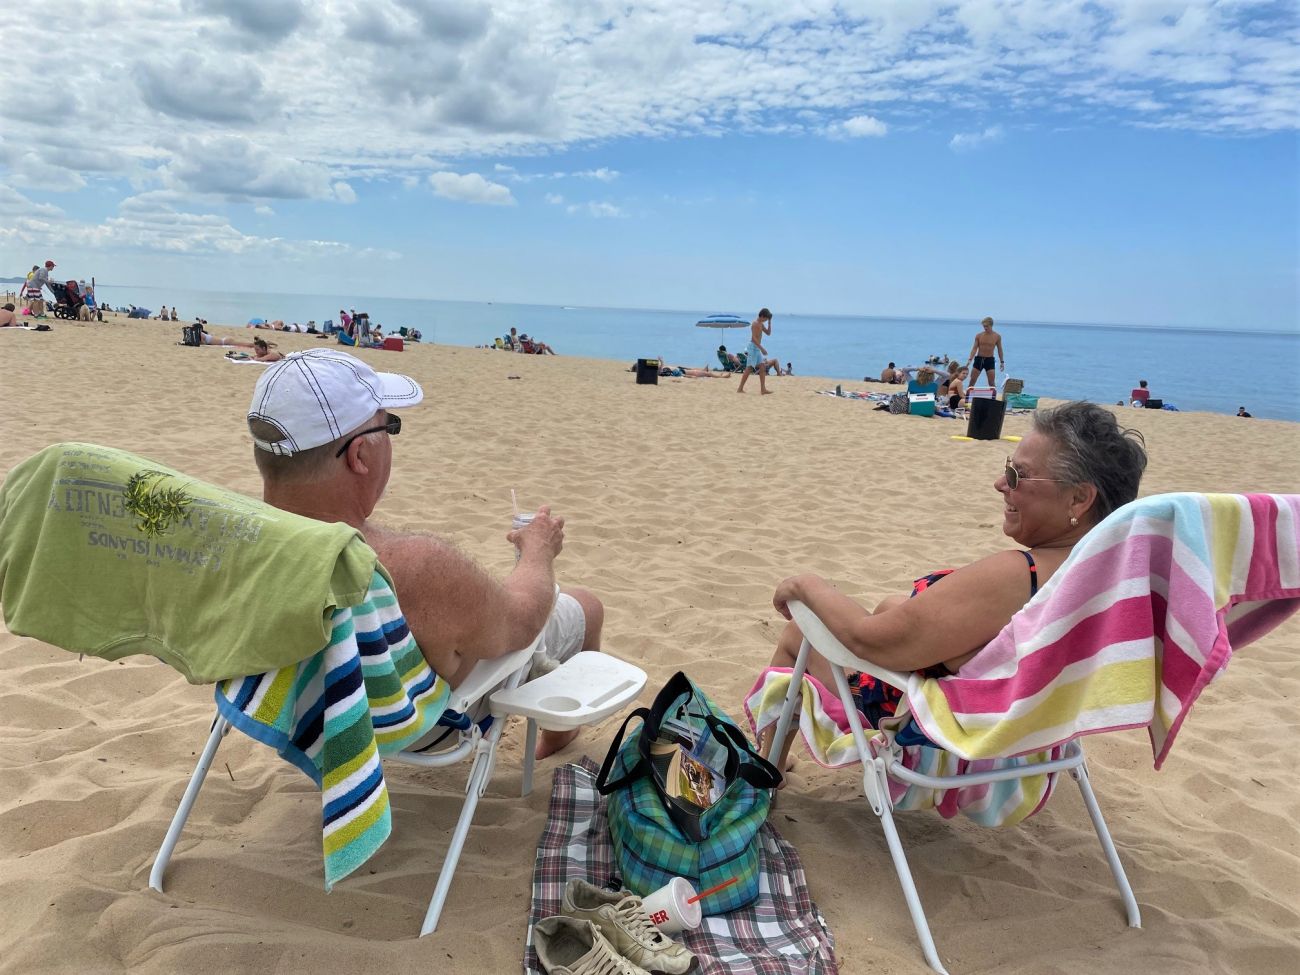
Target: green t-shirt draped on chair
x: 96, y: 562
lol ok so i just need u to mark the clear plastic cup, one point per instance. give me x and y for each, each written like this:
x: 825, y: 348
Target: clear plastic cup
x: 517, y: 522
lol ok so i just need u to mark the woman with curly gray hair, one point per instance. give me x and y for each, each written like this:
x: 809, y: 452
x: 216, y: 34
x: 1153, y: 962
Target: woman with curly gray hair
x: 1074, y: 468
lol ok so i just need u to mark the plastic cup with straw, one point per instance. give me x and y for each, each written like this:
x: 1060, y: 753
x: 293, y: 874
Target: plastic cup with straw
x: 518, y: 521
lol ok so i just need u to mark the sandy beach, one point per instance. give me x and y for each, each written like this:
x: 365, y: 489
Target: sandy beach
x: 685, y: 505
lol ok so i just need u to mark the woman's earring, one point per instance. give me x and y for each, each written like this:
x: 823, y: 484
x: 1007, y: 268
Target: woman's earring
x: 1074, y: 522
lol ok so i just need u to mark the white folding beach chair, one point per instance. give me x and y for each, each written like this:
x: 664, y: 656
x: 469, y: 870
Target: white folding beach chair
x: 1144, y: 614
x: 887, y: 762
x: 585, y: 689
x: 106, y: 553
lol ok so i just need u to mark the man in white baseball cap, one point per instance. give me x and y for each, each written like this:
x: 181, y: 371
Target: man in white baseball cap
x: 322, y: 426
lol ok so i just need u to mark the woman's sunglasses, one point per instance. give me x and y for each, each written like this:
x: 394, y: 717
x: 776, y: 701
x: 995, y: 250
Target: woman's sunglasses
x: 393, y: 425
x: 1014, y: 477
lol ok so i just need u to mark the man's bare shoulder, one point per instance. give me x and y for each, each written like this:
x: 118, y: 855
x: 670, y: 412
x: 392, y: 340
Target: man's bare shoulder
x: 415, y: 551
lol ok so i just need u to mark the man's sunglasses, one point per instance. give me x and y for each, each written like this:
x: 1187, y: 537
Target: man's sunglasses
x: 393, y: 425
x: 1014, y: 477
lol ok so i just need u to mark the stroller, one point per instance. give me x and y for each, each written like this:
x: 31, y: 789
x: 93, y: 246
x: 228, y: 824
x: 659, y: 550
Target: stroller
x: 68, y: 300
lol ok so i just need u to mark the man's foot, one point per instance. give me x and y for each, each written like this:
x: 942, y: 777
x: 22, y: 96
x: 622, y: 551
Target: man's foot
x: 768, y: 392
x: 550, y: 742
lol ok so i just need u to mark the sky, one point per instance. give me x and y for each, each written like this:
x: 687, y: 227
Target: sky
x: 1127, y: 161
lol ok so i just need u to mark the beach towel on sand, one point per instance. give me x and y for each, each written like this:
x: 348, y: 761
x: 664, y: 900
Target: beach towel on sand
x: 781, y: 933
x: 1142, y: 616
x: 368, y: 693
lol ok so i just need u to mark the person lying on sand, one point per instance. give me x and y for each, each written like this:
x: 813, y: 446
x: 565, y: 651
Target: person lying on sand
x: 457, y: 612
x: 264, y: 351
x: 1074, y: 468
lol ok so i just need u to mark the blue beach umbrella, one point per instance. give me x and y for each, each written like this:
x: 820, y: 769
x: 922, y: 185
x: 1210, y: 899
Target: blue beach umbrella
x: 722, y: 321
x: 257, y: 321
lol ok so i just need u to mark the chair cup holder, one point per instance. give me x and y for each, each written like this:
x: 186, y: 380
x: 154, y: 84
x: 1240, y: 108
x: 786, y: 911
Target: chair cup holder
x: 559, y: 703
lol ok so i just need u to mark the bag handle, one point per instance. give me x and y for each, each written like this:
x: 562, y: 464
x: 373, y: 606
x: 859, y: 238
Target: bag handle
x: 640, y: 769
x: 756, y: 770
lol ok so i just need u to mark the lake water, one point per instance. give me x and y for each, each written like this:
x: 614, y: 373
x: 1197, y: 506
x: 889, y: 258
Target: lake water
x: 1216, y: 370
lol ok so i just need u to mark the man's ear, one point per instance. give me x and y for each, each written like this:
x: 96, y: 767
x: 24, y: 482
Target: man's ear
x: 358, y: 456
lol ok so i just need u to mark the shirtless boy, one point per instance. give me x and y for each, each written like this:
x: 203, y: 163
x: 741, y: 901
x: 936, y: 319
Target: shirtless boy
x: 754, y: 354
x: 981, y: 353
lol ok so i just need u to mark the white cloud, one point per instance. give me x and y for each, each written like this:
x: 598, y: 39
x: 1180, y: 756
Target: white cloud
x: 331, y: 91
x: 862, y: 126
x: 555, y: 199
x: 344, y: 193
x: 264, y: 211
x: 965, y: 141
x: 470, y: 188
x: 598, y: 209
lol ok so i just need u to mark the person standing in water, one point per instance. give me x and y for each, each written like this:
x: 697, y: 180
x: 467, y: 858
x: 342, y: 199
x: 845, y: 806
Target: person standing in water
x: 981, y: 353
x: 755, y: 353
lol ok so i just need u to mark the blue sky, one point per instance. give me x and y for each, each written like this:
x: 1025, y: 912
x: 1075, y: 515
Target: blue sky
x: 1116, y: 161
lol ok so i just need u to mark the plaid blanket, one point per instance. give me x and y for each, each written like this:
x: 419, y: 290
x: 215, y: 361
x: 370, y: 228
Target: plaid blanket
x: 781, y: 933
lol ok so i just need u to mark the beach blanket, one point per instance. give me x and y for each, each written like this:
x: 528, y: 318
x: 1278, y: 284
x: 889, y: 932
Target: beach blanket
x: 781, y: 933
x: 825, y: 728
x: 246, y: 362
x: 1144, y: 614
x: 855, y: 394
x: 368, y: 692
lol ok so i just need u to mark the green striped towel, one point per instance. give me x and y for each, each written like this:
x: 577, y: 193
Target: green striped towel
x: 369, y: 692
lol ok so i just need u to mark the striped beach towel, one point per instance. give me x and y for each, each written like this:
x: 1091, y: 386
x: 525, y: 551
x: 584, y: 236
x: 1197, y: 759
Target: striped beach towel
x: 369, y: 692
x: 1141, y: 617
x: 825, y: 730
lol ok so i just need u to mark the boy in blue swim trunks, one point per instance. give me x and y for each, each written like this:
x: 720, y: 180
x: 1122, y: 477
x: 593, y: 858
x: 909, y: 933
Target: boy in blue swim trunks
x: 755, y: 360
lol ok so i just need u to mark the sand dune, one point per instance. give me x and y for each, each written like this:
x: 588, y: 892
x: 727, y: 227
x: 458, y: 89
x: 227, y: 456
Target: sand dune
x: 685, y: 504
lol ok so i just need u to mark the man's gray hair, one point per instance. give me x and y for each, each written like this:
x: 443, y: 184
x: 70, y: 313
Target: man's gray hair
x: 1092, y: 448
x: 304, y: 466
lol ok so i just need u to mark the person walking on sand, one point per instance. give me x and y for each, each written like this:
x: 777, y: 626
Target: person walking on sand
x: 754, y: 354
x: 981, y: 353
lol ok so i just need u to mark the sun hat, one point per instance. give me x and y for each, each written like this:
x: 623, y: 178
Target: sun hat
x: 316, y: 397
x: 50, y: 264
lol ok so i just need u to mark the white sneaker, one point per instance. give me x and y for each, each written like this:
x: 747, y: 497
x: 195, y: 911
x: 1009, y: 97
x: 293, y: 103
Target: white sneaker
x: 567, y: 946
x: 622, y: 919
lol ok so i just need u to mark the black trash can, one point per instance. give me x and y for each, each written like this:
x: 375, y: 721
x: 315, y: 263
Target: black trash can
x: 647, y: 372
x: 986, y: 417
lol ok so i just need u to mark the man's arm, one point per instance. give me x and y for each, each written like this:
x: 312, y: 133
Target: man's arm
x: 459, y: 614
x: 1000, y: 359
x: 974, y: 350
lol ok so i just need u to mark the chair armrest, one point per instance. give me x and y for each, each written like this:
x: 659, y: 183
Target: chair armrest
x: 586, y: 688
x: 487, y: 674
x: 829, y: 646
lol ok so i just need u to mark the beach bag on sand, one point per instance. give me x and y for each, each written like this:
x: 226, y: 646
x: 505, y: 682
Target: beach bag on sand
x: 191, y: 335
x: 687, y: 795
x: 899, y: 403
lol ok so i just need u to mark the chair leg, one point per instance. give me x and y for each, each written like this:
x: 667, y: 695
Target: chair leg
x: 219, y: 728
x: 1080, y: 776
x: 480, y: 773
x: 530, y: 749
x: 909, y: 889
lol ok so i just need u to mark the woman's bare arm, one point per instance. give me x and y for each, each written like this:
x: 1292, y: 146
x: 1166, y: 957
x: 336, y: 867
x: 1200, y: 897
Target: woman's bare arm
x: 945, y: 623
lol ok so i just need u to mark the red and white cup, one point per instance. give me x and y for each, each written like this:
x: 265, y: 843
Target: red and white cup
x: 672, y: 908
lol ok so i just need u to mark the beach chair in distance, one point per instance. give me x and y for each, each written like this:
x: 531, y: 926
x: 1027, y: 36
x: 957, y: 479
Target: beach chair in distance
x: 1143, y: 615
x: 109, y: 554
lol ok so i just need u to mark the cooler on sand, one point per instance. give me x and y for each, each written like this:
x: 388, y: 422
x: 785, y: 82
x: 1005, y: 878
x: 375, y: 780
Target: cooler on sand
x: 647, y: 372
x: 986, y: 417
x: 393, y: 344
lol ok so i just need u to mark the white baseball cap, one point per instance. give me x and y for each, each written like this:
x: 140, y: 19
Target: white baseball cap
x: 316, y: 397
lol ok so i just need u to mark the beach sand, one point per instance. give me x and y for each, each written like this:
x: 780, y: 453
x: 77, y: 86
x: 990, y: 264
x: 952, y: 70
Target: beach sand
x: 685, y: 505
